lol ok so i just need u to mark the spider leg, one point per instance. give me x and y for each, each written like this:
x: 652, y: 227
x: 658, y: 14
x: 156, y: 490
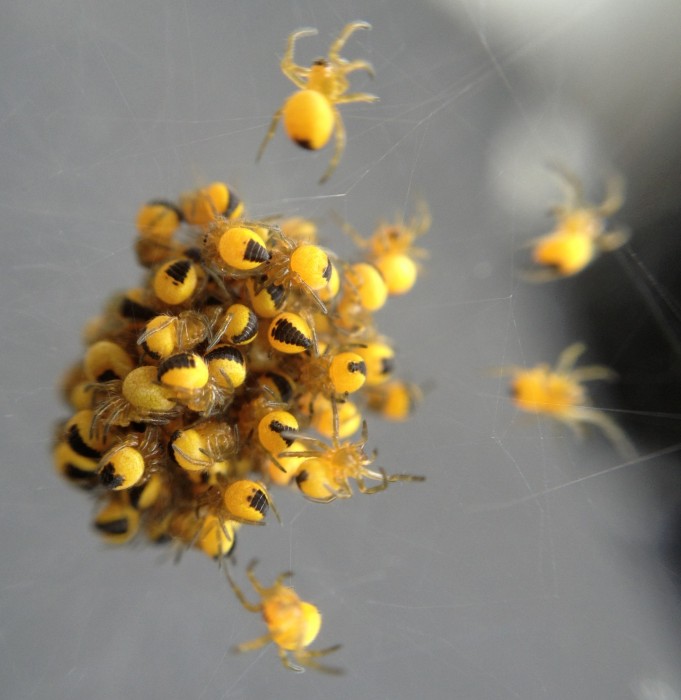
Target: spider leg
x: 307, y: 658
x: 316, y: 653
x: 221, y: 330
x: 612, y: 240
x: 352, y: 66
x: 422, y: 220
x: 348, y: 30
x: 115, y: 415
x: 251, y: 607
x: 150, y: 331
x: 593, y: 373
x: 574, y: 422
x: 283, y: 655
x: 340, y: 145
x: 204, y: 464
x: 568, y: 358
x: 259, y: 588
x: 365, y: 434
x: 288, y: 66
x: 254, y: 644
x: 614, y: 196
x: 609, y: 428
x: 297, y: 75
x: 363, y: 488
x: 405, y: 477
x: 356, y: 97
x: 270, y: 133
x: 350, y: 230
x: 573, y: 185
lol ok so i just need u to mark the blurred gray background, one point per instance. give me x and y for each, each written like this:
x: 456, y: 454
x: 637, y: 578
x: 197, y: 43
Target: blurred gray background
x: 528, y: 565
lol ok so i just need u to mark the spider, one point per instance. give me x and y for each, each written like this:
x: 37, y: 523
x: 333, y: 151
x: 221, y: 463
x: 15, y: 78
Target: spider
x: 558, y: 393
x: 394, y: 400
x: 580, y: 234
x: 206, y: 445
x: 138, y: 398
x: 391, y: 247
x: 132, y: 460
x: 333, y: 374
x: 292, y: 624
x: 310, y: 115
x: 326, y: 474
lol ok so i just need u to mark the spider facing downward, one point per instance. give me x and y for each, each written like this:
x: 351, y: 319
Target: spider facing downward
x: 292, y: 624
x: 311, y: 115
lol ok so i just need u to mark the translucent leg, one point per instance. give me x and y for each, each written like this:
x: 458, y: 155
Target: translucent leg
x: 251, y: 607
x: 610, y: 429
x: 405, y: 477
x: 296, y: 74
x: 254, y: 644
x: 340, y: 146
x: 363, y: 488
x: 348, y: 30
x: 356, y: 97
x: 614, y: 197
x: 351, y: 231
x: 568, y: 358
x: 308, y: 658
x: 352, y: 66
x: 283, y: 655
x: 573, y: 185
x: 259, y: 588
x: 612, y: 240
x: 593, y: 373
x: 270, y: 133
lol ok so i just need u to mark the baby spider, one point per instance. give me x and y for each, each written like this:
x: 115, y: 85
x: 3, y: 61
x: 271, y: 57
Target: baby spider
x: 558, y: 393
x: 391, y: 248
x: 333, y: 374
x: 132, y: 460
x: 326, y: 474
x: 292, y: 624
x: 580, y: 234
x: 295, y: 267
x: 205, y: 446
x: 395, y: 400
x: 310, y: 115
x: 137, y: 399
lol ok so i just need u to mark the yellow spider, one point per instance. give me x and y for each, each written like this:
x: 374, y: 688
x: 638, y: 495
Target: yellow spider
x: 292, y: 624
x: 580, y: 233
x: 557, y: 392
x: 310, y: 115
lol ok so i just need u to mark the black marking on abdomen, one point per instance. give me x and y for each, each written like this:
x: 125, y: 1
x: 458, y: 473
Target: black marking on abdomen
x: 285, y: 332
x: 258, y: 501
x: 179, y: 270
x: 256, y: 252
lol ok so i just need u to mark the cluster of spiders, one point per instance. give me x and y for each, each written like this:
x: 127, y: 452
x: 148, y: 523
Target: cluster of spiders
x: 244, y: 362
x: 249, y: 355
